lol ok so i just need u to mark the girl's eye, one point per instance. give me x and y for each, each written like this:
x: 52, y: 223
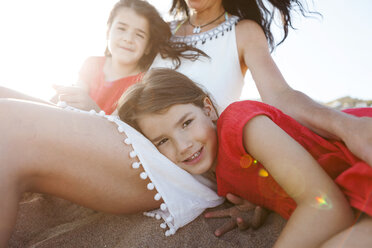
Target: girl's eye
x: 121, y: 29
x: 186, y: 123
x: 141, y: 36
x: 162, y: 142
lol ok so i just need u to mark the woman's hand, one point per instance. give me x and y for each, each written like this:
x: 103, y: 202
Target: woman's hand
x: 358, y: 138
x: 241, y: 215
x: 76, y: 96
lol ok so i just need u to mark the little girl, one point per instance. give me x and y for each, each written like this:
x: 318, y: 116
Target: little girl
x: 258, y: 153
x: 136, y: 34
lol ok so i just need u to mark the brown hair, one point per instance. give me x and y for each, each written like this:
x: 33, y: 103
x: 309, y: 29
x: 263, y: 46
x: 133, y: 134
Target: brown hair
x: 160, y: 35
x: 156, y: 93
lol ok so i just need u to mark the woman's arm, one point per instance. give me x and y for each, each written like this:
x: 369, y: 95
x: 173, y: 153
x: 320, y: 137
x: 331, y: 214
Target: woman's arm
x: 320, y: 203
x: 274, y: 90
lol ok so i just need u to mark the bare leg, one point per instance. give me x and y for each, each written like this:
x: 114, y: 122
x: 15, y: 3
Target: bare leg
x: 75, y: 156
x: 356, y: 236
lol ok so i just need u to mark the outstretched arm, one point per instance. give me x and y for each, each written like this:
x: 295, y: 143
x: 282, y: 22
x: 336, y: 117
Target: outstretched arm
x: 304, y: 180
x: 274, y: 90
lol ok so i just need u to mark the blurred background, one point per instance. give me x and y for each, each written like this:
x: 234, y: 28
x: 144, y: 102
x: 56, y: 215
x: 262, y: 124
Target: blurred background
x: 44, y: 42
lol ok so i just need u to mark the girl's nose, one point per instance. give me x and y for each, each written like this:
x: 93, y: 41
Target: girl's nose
x: 128, y: 37
x: 184, y: 144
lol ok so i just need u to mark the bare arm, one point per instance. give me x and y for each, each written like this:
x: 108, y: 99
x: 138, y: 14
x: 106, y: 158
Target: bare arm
x: 274, y: 90
x: 304, y: 180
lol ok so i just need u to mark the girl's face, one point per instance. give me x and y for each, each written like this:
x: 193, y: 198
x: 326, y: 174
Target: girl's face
x: 128, y: 37
x: 186, y: 134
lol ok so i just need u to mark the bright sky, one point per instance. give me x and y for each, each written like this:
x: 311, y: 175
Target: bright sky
x: 44, y: 42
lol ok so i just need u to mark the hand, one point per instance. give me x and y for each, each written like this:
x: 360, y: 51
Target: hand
x: 76, y: 96
x: 241, y: 215
x: 358, y: 138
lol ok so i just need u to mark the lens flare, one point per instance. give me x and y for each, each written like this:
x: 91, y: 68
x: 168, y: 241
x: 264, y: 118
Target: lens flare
x: 322, y: 202
x: 263, y: 173
x: 246, y: 161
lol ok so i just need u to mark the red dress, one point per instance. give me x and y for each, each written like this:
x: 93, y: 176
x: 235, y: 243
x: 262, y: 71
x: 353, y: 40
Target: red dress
x: 104, y: 93
x: 352, y: 175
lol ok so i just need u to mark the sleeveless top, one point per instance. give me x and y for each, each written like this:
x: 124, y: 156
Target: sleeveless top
x: 221, y: 74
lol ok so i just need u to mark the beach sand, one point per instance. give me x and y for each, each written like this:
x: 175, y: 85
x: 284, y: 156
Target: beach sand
x: 45, y: 221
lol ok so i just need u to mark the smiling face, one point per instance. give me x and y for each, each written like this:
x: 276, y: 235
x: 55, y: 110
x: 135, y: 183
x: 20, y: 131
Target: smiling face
x: 128, y: 37
x: 186, y: 134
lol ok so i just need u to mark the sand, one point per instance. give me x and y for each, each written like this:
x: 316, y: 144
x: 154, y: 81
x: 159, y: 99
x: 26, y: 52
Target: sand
x: 45, y: 221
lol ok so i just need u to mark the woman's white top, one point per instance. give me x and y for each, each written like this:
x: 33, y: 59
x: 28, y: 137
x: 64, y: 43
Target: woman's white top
x: 220, y: 74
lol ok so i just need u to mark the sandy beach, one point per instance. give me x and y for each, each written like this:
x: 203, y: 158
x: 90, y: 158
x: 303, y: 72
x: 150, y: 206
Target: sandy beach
x: 44, y: 221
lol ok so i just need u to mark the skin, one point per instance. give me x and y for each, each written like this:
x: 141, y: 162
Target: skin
x: 128, y: 41
x: 75, y: 156
x: 297, y: 172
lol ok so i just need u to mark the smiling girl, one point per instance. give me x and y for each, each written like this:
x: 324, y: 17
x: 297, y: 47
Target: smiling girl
x: 136, y: 33
x: 258, y: 153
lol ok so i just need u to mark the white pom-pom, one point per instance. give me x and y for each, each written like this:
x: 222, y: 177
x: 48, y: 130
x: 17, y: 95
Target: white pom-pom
x: 135, y: 165
x: 157, y: 216
x: 101, y: 113
x: 163, y: 206
x: 120, y: 129
x: 163, y: 225
x: 150, y: 186
x: 92, y: 112
x: 172, y: 231
x: 143, y: 175
x: 167, y: 233
x: 127, y: 141
x: 157, y: 197
x: 132, y: 154
x: 111, y: 118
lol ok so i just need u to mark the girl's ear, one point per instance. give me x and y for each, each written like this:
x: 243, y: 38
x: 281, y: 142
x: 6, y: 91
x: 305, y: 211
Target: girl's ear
x: 209, y: 109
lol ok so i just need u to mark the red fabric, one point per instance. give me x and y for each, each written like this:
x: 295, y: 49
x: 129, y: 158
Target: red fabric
x: 352, y: 175
x: 104, y: 93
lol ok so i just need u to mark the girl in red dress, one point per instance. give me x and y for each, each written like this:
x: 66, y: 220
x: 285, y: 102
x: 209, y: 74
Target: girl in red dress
x: 260, y: 154
x: 136, y: 34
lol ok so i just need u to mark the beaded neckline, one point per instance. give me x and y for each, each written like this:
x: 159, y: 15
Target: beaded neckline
x: 211, y: 34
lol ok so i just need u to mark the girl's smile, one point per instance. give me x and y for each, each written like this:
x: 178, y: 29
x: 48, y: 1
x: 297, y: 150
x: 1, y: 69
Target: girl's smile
x: 184, y: 133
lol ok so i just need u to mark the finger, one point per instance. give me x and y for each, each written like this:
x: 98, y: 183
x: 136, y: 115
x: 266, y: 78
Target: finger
x: 228, y: 226
x: 234, y: 199
x: 242, y: 223
x: 218, y: 213
x: 259, y: 217
x: 68, y: 98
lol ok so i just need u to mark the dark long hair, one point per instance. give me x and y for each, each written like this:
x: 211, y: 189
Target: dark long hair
x: 257, y: 11
x: 160, y: 35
